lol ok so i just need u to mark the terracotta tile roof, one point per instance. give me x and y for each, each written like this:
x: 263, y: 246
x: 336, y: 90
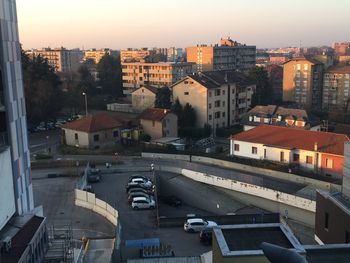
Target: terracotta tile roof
x: 93, y: 123
x: 150, y: 88
x: 154, y: 114
x: 339, y: 69
x: 290, y: 138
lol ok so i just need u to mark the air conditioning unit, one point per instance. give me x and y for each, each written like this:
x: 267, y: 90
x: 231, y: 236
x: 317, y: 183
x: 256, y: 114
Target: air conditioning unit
x: 5, y: 244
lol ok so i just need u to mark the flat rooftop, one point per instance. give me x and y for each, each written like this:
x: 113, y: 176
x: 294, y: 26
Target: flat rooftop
x: 339, y: 253
x: 246, y: 239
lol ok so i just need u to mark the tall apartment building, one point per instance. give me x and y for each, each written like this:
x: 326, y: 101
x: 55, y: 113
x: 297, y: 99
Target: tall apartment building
x: 156, y: 74
x: 96, y: 54
x: 302, y: 82
x: 341, y: 48
x: 219, y: 98
x: 229, y: 55
x: 174, y: 54
x: 22, y: 236
x: 135, y: 55
x: 336, y: 82
x: 61, y: 59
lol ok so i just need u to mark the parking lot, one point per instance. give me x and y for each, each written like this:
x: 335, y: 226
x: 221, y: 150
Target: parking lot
x: 142, y: 224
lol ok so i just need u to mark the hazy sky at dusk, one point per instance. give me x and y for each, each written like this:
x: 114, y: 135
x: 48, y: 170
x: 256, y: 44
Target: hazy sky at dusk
x: 163, y: 23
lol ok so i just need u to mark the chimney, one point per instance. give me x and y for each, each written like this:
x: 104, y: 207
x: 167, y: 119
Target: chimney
x: 315, y: 147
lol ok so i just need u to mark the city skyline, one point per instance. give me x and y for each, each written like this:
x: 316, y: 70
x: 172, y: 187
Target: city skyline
x: 265, y: 24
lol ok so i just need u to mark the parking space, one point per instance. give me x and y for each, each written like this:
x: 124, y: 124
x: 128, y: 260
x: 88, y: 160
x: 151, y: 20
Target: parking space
x: 141, y: 224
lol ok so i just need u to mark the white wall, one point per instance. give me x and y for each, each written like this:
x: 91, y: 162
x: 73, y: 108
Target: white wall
x: 7, y: 195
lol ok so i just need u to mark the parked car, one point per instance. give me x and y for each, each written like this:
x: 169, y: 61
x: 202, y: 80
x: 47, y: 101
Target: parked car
x: 138, y: 185
x: 197, y: 224
x: 206, y: 235
x: 170, y: 200
x: 132, y: 195
x: 135, y: 176
x: 94, y: 175
x: 141, y: 181
x: 139, y: 189
x: 143, y: 203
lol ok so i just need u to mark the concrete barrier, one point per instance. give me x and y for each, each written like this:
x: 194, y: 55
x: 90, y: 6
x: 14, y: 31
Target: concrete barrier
x: 180, y: 157
x: 89, y: 201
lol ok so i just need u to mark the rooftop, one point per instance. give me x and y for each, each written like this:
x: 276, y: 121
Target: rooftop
x: 149, y: 87
x: 154, y: 114
x: 344, y: 69
x: 93, y: 123
x: 339, y: 253
x: 290, y: 138
x: 305, y: 58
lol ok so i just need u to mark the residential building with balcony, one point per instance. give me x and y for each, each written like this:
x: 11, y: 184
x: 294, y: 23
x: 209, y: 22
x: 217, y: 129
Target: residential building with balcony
x: 219, y: 98
x: 155, y: 74
x: 302, y: 82
x: 229, y: 55
x: 96, y: 54
x: 61, y: 59
x: 318, y: 152
x: 135, y: 55
x: 336, y: 87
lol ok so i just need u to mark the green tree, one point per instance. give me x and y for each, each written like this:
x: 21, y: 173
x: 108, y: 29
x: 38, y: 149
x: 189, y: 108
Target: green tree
x: 263, y: 93
x: 163, y: 98
x: 177, y: 109
x: 188, y: 116
x: 42, y: 89
x: 110, y: 75
x: 86, y: 80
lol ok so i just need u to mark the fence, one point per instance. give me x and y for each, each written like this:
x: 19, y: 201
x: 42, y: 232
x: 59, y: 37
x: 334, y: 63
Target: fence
x: 89, y: 201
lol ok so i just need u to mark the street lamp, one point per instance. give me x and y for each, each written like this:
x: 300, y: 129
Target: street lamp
x: 86, y: 109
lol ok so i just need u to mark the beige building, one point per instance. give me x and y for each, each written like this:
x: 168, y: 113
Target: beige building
x: 159, y: 123
x: 229, y: 55
x: 219, y: 98
x: 302, y: 82
x: 143, y: 98
x: 96, y: 54
x: 61, y: 59
x: 135, y: 55
x: 92, y: 132
x: 156, y: 74
x: 336, y: 84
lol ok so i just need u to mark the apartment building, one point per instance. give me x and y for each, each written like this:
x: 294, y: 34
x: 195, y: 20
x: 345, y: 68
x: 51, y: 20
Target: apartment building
x: 135, y: 55
x: 61, y: 59
x: 336, y: 84
x: 302, y: 82
x: 341, y: 48
x: 96, y: 54
x: 174, y: 54
x: 219, y: 98
x: 229, y: 55
x: 156, y: 74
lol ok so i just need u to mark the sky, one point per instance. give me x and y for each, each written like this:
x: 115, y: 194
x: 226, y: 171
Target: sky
x: 119, y: 24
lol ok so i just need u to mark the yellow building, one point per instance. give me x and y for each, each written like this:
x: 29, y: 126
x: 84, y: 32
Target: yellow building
x: 96, y: 55
x: 219, y: 98
x: 302, y: 82
x: 159, y: 123
x: 143, y: 98
x: 61, y: 59
x: 229, y: 55
x: 156, y: 74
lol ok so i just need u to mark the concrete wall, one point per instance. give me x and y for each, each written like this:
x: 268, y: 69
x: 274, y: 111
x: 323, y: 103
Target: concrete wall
x: 7, y: 194
x: 89, y: 201
x: 346, y: 170
x: 152, y: 128
x: 142, y: 99
x: 170, y: 125
x: 121, y: 107
x: 83, y: 138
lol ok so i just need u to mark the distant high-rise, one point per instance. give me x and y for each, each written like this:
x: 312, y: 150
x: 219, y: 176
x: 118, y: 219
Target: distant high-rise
x: 229, y: 55
x: 13, y: 123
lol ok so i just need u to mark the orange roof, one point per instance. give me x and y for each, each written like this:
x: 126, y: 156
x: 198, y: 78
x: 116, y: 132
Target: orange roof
x: 154, y: 114
x: 289, y: 138
x: 93, y: 123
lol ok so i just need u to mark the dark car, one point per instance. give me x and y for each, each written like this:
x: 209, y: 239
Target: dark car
x: 139, y: 185
x: 139, y: 189
x: 94, y: 175
x: 205, y: 236
x: 170, y: 200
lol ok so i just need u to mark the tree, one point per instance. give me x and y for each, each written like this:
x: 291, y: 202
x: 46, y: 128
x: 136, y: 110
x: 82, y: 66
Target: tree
x: 109, y: 74
x: 177, y: 109
x: 188, y: 116
x: 42, y: 89
x: 163, y: 98
x: 86, y: 80
x: 263, y: 93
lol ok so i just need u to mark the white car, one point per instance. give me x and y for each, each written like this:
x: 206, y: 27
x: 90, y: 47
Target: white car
x: 141, y: 181
x: 143, y: 203
x: 198, y: 224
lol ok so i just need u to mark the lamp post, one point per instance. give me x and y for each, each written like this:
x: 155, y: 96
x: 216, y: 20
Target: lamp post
x: 86, y: 108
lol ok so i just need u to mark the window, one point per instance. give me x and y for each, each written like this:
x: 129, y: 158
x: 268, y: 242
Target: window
x: 298, y: 67
x: 210, y: 117
x: 282, y: 156
x: 217, y: 115
x: 153, y: 123
x: 326, y: 221
x: 209, y: 93
x: 309, y: 159
x: 347, y: 237
x: 223, y: 92
x: 296, y: 157
x: 186, y: 93
x: 76, y: 136
x: 264, y: 153
x: 236, y: 146
x: 209, y: 105
x: 223, y: 104
x: 217, y: 92
x: 254, y: 150
x: 223, y: 114
x: 217, y: 103
x: 306, y: 66
x: 329, y: 163
x: 96, y: 137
